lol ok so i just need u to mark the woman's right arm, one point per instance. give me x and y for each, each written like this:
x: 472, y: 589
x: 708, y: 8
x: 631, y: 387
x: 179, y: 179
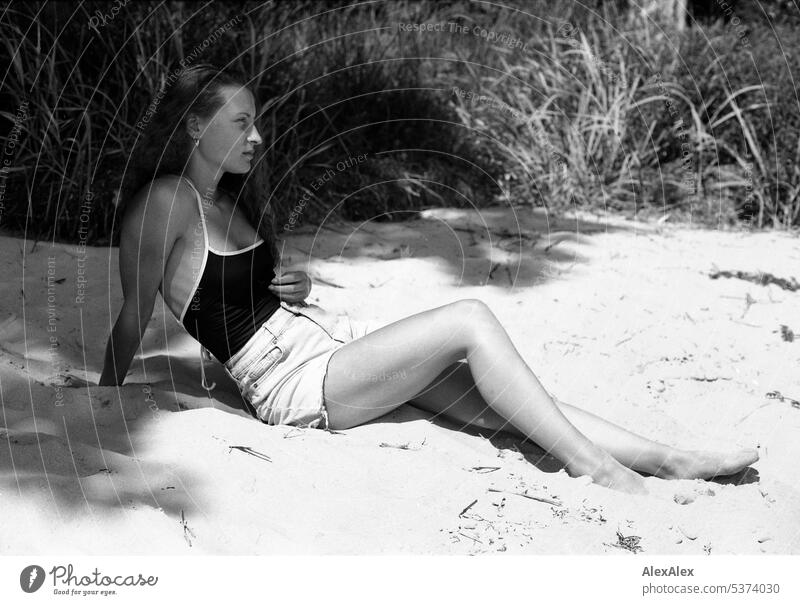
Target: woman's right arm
x: 149, y: 231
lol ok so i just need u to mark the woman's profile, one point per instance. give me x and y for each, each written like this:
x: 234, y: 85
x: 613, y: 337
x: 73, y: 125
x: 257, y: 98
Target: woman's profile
x: 195, y: 231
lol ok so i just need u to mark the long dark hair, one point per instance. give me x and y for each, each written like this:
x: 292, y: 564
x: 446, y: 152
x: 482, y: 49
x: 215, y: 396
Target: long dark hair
x: 165, y: 145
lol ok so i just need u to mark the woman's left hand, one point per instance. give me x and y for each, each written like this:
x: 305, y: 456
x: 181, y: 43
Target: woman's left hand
x: 291, y: 286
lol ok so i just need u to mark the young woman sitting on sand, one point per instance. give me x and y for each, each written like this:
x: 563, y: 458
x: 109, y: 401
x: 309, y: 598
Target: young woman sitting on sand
x: 184, y: 235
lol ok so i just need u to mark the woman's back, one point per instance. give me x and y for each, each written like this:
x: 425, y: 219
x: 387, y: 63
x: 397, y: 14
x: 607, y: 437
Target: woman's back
x: 153, y: 242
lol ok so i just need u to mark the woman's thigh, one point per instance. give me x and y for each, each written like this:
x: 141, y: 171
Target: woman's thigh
x: 387, y: 367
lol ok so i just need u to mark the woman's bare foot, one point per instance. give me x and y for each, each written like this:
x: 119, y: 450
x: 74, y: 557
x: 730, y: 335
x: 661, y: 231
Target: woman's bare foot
x: 700, y: 464
x: 606, y: 471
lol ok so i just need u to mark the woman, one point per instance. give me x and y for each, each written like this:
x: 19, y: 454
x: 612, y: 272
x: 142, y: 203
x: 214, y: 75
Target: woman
x: 184, y: 235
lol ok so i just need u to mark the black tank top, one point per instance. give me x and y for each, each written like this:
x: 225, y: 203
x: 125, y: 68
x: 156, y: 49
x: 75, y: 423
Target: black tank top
x: 231, y: 300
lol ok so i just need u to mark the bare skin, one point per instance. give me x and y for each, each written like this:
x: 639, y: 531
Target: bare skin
x: 497, y: 390
x: 455, y: 396
x: 493, y: 389
x: 161, y: 230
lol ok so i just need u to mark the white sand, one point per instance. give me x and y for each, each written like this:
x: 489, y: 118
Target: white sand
x: 620, y: 319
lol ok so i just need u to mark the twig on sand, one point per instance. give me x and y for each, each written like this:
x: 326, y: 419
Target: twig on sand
x: 469, y: 506
x: 379, y: 284
x: 248, y: 450
x: 787, y: 335
x: 293, y: 432
x: 186, y: 530
x: 760, y: 278
x: 744, y: 323
x: 558, y: 239
x: 494, y: 268
x: 777, y: 395
x: 402, y: 446
x: 630, y: 543
x: 771, y: 395
x: 485, y: 469
x: 746, y: 416
x: 749, y: 301
x: 470, y: 537
x: 629, y: 337
x: 537, y: 498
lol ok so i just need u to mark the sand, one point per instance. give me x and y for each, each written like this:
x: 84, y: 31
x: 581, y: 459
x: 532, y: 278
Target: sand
x: 616, y: 316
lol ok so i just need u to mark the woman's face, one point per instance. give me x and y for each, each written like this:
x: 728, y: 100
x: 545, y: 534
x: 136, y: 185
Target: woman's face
x: 229, y: 137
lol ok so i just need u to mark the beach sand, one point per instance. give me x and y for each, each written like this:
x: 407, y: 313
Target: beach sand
x: 616, y: 316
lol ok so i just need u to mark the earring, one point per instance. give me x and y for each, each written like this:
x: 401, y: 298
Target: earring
x: 196, y: 142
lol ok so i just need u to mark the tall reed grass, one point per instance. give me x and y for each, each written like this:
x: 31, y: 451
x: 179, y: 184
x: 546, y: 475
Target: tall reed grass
x: 560, y: 105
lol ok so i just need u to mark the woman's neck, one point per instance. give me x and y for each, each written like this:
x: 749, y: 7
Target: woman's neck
x: 205, y: 181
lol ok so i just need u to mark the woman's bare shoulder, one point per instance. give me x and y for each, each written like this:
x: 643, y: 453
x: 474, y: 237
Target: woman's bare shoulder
x: 166, y: 194
x: 159, y: 213
x: 166, y: 188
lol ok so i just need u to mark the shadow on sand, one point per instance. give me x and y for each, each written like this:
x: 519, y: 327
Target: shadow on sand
x: 77, y: 444
x: 492, y: 247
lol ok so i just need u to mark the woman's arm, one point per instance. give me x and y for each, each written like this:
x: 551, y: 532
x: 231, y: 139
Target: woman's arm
x: 150, y: 229
x: 122, y: 344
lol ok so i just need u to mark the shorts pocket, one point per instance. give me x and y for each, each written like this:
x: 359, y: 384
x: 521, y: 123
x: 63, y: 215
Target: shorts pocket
x: 259, y: 367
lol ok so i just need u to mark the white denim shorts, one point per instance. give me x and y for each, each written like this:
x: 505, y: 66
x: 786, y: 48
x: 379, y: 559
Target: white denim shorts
x: 281, y: 370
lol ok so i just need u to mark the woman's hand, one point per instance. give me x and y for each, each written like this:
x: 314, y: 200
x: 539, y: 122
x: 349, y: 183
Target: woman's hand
x: 291, y: 286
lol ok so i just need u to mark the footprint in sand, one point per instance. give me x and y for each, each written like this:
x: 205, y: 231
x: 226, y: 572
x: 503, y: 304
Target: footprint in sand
x: 687, y: 496
x: 682, y: 492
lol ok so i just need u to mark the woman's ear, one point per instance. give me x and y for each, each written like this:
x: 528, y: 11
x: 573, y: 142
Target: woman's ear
x: 194, y: 126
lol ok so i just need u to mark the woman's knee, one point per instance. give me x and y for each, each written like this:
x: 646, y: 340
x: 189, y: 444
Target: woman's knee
x: 471, y: 312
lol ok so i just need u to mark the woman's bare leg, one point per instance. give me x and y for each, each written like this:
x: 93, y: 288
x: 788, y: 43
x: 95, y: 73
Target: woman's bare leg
x: 454, y: 395
x: 372, y: 375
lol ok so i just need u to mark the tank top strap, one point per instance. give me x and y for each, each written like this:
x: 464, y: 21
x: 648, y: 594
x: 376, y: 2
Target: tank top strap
x: 204, y: 352
x: 199, y: 209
